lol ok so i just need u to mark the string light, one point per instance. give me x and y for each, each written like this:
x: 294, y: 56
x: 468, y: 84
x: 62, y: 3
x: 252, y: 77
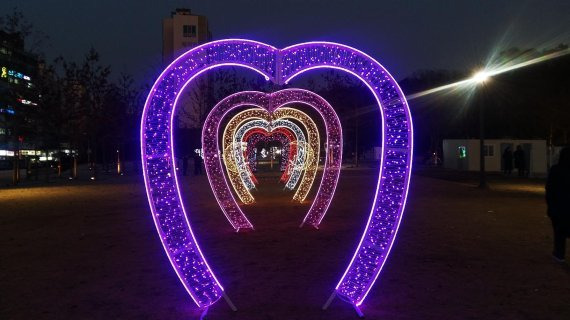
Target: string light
x: 273, y: 102
x: 307, y: 158
x: 267, y: 127
x: 395, y: 163
x: 238, y: 174
x: 312, y: 157
x: 278, y: 66
x: 288, y: 153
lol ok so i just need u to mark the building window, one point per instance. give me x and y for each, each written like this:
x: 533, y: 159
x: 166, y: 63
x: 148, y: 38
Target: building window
x: 189, y: 31
x: 462, y: 152
x: 489, y: 150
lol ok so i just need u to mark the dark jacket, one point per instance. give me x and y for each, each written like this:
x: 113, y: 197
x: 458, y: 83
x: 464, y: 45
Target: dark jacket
x: 558, y: 188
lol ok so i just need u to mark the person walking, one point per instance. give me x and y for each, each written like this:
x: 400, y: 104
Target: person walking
x: 508, y: 161
x: 520, y: 161
x: 558, y: 202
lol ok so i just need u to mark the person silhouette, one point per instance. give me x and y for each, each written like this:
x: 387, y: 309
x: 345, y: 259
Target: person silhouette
x: 520, y: 161
x: 558, y: 202
x: 508, y: 161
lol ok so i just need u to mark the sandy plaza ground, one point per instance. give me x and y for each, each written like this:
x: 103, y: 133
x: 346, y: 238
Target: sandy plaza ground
x: 81, y: 250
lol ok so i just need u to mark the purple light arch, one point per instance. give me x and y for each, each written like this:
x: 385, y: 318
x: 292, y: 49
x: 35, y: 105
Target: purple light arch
x: 278, y: 66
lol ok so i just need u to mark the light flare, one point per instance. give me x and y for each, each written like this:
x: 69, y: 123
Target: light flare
x: 488, y: 72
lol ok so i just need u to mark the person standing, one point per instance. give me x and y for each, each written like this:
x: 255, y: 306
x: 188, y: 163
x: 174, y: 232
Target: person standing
x: 520, y: 161
x: 508, y: 161
x: 558, y: 202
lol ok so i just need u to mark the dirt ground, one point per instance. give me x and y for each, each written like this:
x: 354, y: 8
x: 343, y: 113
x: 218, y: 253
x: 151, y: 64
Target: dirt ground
x: 91, y: 251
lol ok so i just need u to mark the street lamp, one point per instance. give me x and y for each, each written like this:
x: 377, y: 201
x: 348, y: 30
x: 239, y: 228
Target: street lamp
x: 480, y: 78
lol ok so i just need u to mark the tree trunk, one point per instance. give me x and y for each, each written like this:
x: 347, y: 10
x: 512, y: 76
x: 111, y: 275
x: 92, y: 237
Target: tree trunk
x: 74, y: 170
x: 48, y: 169
x: 59, y: 164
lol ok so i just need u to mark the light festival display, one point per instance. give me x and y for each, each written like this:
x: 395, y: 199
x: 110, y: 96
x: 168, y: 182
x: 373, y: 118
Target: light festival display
x: 257, y: 124
x: 236, y: 166
x: 282, y: 135
x: 272, y: 102
x: 307, y: 155
x: 255, y: 137
x: 279, y: 66
x: 312, y: 149
x: 271, y: 127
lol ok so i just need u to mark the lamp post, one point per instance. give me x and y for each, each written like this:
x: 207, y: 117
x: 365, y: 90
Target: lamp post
x: 479, y: 78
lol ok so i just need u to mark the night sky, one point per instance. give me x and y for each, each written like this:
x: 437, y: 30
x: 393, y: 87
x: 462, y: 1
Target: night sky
x: 403, y: 35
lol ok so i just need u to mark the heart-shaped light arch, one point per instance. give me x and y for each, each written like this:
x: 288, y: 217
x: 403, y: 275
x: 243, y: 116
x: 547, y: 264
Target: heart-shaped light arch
x: 238, y: 176
x: 308, y: 156
x: 284, y: 136
x: 255, y: 135
x: 298, y: 135
x: 279, y: 66
x: 233, y: 158
x: 272, y: 102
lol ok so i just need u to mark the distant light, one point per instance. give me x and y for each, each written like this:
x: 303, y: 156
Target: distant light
x: 490, y: 71
x: 480, y: 76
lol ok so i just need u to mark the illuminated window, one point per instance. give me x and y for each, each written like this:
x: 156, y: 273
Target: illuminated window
x: 489, y: 150
x: 462, y: 152
x: 2, y: 131
x: 189, y: 31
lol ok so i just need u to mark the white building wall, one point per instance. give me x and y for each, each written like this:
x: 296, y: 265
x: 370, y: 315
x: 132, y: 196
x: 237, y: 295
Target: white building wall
x: 493, y: 163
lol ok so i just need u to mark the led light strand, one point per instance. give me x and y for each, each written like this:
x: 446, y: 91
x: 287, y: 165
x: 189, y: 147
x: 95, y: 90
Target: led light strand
x: 312, y: 159
x: 273, y: 102
x: 278, y: 66
x: 242, y: 174
x: 308, y: 162
x: 282, y: 135
x: 157, y: 157
x: 236, y: 168
x: 395, y: 164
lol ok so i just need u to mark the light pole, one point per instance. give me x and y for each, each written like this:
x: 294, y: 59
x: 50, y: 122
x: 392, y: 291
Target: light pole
x: 480, y: 78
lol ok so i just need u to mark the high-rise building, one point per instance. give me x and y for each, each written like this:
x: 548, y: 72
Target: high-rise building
x: 18, y: 98
x: 182, y: 31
